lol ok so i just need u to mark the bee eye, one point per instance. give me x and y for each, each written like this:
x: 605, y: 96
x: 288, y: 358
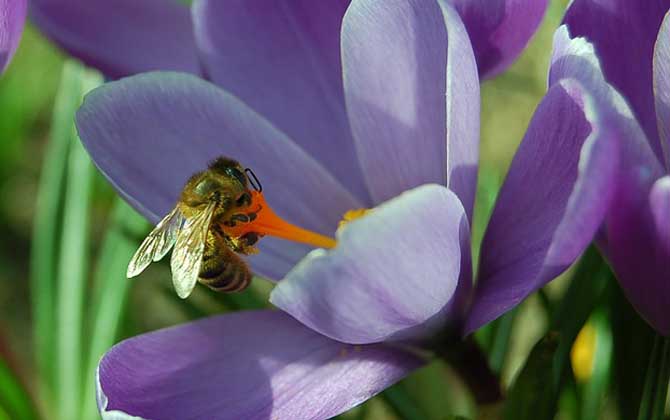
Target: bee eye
x: 244, y: 200
x: 234, y: 172
x: 205, y: 187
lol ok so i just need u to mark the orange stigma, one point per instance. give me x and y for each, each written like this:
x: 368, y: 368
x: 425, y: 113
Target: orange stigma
x: 267, y: 222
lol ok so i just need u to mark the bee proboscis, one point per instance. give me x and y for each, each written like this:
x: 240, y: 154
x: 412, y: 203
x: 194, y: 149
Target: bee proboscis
x: 216, y: 218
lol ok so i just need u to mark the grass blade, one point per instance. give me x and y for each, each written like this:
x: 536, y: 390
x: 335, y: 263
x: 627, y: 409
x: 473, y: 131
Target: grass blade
x: 73, y: 269
x: 46, y: 224
x: 111, y: 289
x: 14, y: 400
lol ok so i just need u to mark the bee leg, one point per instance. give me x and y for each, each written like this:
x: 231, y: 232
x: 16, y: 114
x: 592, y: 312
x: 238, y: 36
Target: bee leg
x: 245, y: 243
x: 235, y: 218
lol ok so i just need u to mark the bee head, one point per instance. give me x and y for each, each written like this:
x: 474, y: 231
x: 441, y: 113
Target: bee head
x: 232, y: 174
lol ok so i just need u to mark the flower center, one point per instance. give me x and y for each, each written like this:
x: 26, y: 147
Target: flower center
x: 262, y: 220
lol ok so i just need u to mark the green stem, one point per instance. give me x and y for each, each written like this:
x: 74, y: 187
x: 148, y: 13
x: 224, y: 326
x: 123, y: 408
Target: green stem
x: 654, y: 394
x: 397, y: 398
x: 47, y: 223
x: 110, y: 291
x: 658, y: 410
x: 72, y: 275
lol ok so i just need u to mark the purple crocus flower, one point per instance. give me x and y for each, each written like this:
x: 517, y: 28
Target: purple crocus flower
x: 12, y: 17
x: 124, y: 37
x: 632, y: 40
x: 402, y: 272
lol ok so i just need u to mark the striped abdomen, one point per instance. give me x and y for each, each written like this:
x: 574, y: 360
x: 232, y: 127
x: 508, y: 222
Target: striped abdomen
x: 222, y: 270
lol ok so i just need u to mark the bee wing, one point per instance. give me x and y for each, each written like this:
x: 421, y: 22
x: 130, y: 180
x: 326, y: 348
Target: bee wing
x: 189, y: 250
x: 157, y: 243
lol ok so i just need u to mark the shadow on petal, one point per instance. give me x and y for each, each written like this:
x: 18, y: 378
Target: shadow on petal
x: 246, y: 365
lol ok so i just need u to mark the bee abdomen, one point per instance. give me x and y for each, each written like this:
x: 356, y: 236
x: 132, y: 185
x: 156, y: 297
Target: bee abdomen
x: 226, y: 277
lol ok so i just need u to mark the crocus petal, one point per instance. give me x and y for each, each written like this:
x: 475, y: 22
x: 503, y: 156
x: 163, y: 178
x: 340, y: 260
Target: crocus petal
x: 149, y: 133
x: 246, y: 365
x: 575, y: 58
x: 552, y: 202
x: 12, y: 17
x: 397, y: 273
x: 121, y: 37
x: 629, y: 239
x: 499, y: 29
x: 400, y: 60
x: 623, y: 33
x: 660, y: 206
x: 662, y: 86
x: 638, y: 233
x: 283, y: 59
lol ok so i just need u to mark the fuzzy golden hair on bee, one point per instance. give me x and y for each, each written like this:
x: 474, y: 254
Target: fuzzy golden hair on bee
x: 220, y: 216
x: 202, y: 250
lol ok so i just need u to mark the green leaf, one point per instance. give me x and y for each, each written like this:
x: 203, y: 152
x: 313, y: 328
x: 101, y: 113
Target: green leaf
x: 652, y: 404
x: 73, y: 266
x: 532, y: 394
x: 15, y: 403
x: 596, y: 388
x: 402, y: 404
x: 500, y: 340
x: 586, y: 289
x: 47, y: 224
x: 633, y: 344
x: 110, y: 292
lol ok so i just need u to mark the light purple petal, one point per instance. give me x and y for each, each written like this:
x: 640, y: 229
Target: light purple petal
x: 246, y: 365
x: 400, y: 272
x: 662, y: 86
x: 638, y: 232
x: 629, y: 239
x: 623, y: 33
x: 499, y: 29
x: 283, y: 59
x: 149, y: 133
x: 401, y: 59
x: 660, y: 207
x: 553, y: 201
x: 121, y: 37
x: 12, y: 17
x: 575, y: 58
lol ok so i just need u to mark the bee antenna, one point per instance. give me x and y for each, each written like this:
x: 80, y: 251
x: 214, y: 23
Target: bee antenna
x: 253, y: 180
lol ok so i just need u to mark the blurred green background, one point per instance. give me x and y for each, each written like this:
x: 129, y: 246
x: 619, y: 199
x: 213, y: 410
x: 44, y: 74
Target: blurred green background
x: 59, y: 310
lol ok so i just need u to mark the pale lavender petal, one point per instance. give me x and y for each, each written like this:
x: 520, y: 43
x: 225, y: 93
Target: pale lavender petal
x: 149, y: 133
x: 12, y: 17
x: 552, y: 203
x: 399, y: 272
x: 412, y: 94
x: 283, y: 59
x: 575, y: 58
x: 121, y: 37
x: 638, y: 233
x: 499, y: 29
x: 662, y: 86
x: 623, y: 33
x: 629, y: 239
x: 660, y: 207
x: 246, y: 365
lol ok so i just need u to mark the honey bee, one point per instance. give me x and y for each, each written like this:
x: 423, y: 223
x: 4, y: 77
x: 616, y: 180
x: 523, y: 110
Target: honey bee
x: 202, y: 229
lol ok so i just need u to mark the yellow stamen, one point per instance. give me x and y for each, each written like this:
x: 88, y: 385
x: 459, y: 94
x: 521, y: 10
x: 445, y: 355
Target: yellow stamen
x: 583, y: 353
x: 268, y: 223
x: 352, y: 215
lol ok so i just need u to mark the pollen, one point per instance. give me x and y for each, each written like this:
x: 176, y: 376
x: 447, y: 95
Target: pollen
x: 583, y: 352
x: 352, y: 215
